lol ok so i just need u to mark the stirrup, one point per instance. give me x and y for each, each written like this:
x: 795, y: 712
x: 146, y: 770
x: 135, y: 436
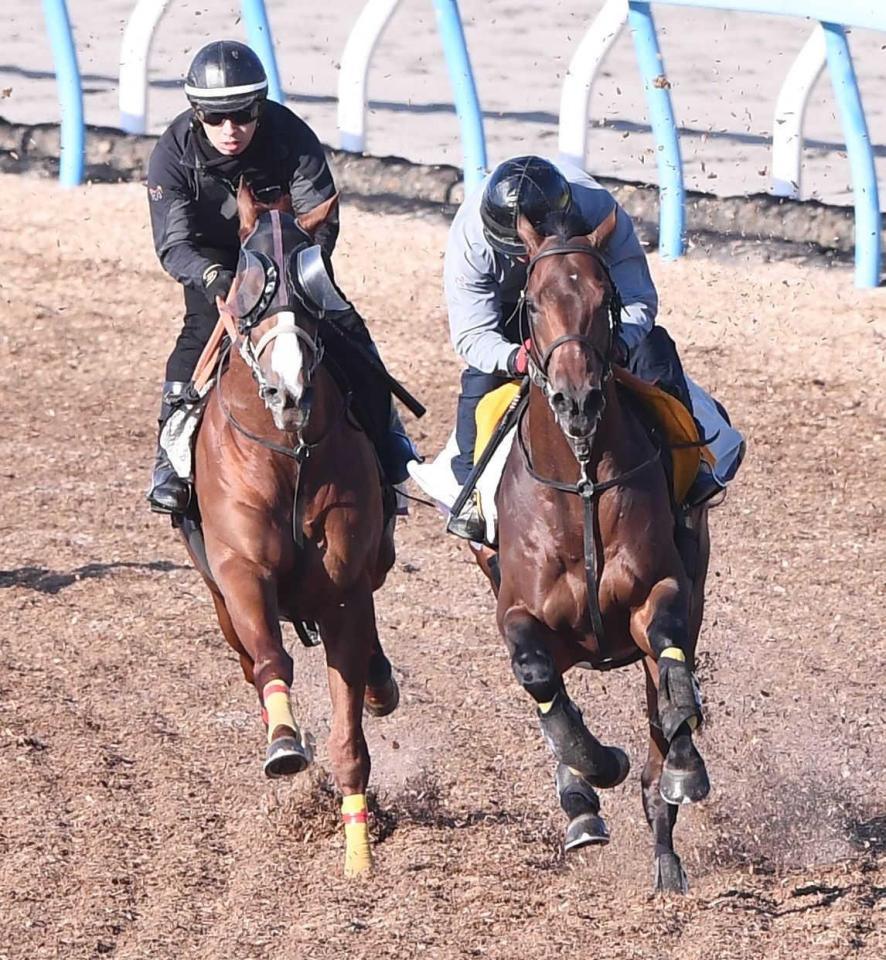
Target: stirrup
x: 469, y: 524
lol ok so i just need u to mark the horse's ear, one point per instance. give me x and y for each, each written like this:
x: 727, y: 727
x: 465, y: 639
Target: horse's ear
x: 311, y: 221
x: 600, y: 237
x: 529, y: 235
x: 247, y: 208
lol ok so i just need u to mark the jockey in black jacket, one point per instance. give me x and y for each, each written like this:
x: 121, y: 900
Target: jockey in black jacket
x: 231, y: 130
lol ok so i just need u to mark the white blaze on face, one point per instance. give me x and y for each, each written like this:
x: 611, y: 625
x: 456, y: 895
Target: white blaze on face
x: 287, y: 360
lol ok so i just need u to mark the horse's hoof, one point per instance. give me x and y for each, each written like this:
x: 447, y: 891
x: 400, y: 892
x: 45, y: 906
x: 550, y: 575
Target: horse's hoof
x: 384, y: 705
x: 585, y: 830
x: 623, y: 762
x: 679, y: 786
x: 670, y: 877
x: 287, y: 756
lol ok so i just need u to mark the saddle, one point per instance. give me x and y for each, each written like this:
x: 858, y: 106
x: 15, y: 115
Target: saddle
x: 672, y: 425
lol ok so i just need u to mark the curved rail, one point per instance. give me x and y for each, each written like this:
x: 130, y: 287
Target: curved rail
x: 352, y: 81
x: 352, y: 97
x: 70, y: 92
x: 790, y: 109
x: 134, y: 52
x: 826, y: 45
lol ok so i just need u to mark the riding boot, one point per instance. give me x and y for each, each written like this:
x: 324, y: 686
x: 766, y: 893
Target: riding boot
x: 704, y: 486
x: 168, y: 492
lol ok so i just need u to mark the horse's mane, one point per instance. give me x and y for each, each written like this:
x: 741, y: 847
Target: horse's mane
x: 563, y: 226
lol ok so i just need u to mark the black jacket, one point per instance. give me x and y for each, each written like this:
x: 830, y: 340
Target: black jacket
x: 193, y: 189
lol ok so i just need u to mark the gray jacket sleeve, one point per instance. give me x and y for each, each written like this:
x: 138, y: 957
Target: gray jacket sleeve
x: 473, y: 297
x: 630, y: 274
x: 623, y: 254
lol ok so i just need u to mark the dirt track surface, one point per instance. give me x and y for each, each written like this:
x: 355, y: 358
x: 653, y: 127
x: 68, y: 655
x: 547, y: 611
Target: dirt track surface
x: 134, y: 818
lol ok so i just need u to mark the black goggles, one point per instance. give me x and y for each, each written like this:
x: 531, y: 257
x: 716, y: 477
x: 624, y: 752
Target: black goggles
x: 215, y: 118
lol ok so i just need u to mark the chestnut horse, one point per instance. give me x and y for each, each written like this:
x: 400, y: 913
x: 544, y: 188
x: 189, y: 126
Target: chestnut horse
x: 291, y: 502
x: 595, y: 566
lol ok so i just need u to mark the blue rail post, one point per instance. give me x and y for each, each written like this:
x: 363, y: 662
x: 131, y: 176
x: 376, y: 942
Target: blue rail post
x: 258, y: 32
x: 661, y: 117
x: 70, y: 93
x: 467, y: 106
x: 861, y: 157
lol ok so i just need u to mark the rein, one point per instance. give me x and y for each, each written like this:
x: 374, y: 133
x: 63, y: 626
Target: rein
x: 299, y: 453
x: 589, y: 490
x: 586, y: 488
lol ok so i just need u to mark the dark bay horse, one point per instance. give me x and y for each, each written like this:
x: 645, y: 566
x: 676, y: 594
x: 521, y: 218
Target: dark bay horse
x: 291, y: 502
x: 595, y: 565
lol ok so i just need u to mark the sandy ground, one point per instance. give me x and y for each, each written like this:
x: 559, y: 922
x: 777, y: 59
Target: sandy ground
x: 725, y: 71
x: 134, y: 818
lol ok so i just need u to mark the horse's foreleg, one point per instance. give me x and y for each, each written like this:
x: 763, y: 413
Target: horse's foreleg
x: 230, y: 634
x: 660, y: 629
x: 382, y: 691
x: 536, y: 670
x: 583, y: 762
x: 348, y: 631
x: 661, y: 815
x: 250, y: 601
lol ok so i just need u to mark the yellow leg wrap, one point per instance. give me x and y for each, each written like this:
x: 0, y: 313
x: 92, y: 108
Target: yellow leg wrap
x: 276, y: 700
x: 358, y: 853
x: 545, y: 707
x: 673, y: 653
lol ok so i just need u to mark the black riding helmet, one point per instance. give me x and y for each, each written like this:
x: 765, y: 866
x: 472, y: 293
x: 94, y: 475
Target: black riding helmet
x: 528, y: 185
x: 225, y: 75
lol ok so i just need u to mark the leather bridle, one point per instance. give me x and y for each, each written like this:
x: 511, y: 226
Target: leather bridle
x: 586, y: 487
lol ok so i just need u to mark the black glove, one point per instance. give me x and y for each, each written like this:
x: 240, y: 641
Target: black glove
x: 620, y: 352
x: 217, y: 282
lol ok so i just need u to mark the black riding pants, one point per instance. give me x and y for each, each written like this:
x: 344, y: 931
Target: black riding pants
x: 200, y: 319
x: 654, y: 360
x: 475, y: 384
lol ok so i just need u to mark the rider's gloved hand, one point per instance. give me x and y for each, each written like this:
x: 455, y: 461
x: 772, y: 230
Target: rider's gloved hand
x: 620, y: 352
x: 518, y: 361
x: 217, y: 282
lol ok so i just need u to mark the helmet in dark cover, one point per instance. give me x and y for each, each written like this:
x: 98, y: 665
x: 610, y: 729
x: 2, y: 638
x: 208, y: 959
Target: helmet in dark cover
x: 523, y: 185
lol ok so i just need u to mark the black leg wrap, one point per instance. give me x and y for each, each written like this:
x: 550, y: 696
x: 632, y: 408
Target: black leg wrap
x: 581, y: 804
x: 573, y: 745
x: 576, y: 795
x: 678, y: 696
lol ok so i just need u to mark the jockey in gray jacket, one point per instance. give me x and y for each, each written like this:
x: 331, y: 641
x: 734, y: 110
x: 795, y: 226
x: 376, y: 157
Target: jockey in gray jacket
x: 481, y: 280
x: 485, y: 270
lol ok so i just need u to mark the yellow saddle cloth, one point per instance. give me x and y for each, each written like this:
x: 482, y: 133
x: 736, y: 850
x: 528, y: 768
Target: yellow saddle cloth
x: 676, y: 422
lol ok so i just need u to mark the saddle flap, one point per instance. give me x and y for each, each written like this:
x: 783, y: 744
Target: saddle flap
x: 490, y: 411
x: 677, y: 424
